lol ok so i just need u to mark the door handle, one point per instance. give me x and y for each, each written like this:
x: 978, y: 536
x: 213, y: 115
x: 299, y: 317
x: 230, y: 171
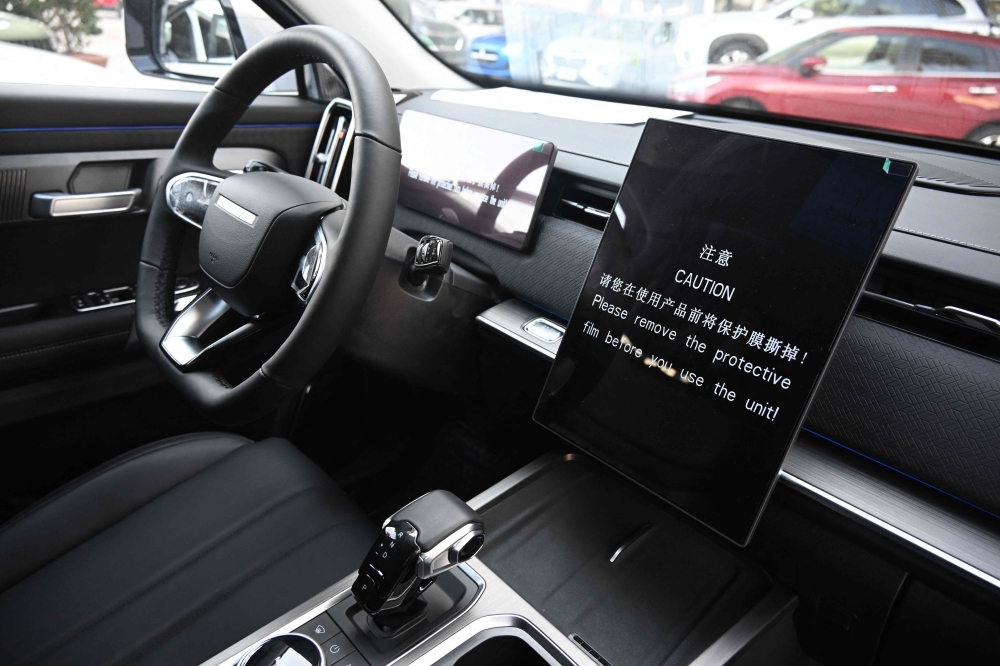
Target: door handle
x: 57, y: 204
x: 982, y: 90
x: 880, y: 89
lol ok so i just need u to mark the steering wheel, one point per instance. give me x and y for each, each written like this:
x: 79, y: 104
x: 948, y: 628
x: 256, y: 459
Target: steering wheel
x: 275, y: 249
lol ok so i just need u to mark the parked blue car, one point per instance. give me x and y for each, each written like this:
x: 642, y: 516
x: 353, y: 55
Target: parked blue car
x: 488, y: 56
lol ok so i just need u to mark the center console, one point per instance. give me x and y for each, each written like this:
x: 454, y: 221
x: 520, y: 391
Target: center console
x: 576, y: 566
x: 701, y: 334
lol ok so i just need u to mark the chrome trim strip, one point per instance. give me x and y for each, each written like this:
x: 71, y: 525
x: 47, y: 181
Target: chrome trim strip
x: 348, y: 137
x: 526, y: 327
x: 319, y: 239
x: 237, y: 211
x: 57, y: 204
x: 500, y: 621
x: 509, y: 484
x: 428, y: 564
x: 629, y: 540
x: 510, y: 318
x: 191, y: 175
x: 177, y: 292
x: 332, y: 143
x: 740, y: 637
x: 324, y: 121
x: 296, y: 617
x: 182, y: 341
x: 325, y: 156
x: 249, y: 653
x: 852, y: 511
x: 526, y: 343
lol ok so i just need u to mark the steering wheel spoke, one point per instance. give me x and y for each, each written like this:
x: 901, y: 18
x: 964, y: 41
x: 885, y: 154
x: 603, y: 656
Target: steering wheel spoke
x: 203, y: 329
x: 190, y: 194
x: 311, y: 266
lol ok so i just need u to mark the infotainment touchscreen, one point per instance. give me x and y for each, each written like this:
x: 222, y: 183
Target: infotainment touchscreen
x: 481, y: 179
x: 725, y: 277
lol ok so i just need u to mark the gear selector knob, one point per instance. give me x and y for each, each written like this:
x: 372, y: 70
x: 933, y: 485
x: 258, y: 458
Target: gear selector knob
x: 420, y: 541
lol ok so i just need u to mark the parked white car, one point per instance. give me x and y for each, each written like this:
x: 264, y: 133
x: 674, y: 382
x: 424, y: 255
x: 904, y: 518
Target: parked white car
x: 631, y: 54
x: 736, y: 37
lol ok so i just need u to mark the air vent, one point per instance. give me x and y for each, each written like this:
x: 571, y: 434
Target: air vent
x: 12, y: 194
x: 947, y: 301
x: 584, y: 203
x: 330, y: 154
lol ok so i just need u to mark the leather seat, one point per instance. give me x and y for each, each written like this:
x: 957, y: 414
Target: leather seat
x: 173, y: 552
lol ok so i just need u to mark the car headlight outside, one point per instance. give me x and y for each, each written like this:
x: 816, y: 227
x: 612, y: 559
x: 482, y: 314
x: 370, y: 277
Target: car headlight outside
x: 459, y: 43
x: 512, y: 50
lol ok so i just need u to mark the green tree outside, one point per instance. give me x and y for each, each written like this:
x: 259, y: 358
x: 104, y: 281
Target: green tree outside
x: 72, y: 21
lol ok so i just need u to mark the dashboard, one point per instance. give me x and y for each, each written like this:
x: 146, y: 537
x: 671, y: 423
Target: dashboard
x: 901, y: 435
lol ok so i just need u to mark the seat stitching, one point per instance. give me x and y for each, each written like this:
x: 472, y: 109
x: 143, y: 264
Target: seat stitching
x: 183, y: 622
x: 221, y: 538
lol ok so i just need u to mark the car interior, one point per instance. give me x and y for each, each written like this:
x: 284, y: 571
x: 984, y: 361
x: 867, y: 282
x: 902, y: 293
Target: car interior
x: 325, y: 350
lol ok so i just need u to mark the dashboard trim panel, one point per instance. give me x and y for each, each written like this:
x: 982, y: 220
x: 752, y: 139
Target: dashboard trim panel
x: 917, y: 522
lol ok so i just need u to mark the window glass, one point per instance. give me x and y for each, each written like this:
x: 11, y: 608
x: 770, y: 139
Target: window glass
x: 950, y: 8
x: 906, y: 8
x: 939, y: 55
x: 743, y: 54
x: 77, y: 42
x: 869, y: 53
x: 831, y: 8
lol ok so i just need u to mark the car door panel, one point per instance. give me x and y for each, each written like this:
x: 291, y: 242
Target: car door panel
x: 860, y: 82
x: 80, y: 141
x: 957, y: 85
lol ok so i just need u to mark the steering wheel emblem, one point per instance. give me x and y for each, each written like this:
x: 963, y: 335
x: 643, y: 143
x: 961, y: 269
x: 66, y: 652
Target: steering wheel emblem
x: 237, y: 211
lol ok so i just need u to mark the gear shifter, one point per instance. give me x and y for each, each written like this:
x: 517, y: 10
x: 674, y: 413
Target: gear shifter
x: 420, y: 541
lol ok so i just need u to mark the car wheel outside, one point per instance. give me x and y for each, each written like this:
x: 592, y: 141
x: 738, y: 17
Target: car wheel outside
x: 745, y: 103
x: 736, y: 52
x: 987, y: 135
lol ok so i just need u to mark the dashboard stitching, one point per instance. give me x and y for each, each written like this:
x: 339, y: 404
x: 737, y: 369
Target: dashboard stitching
x: 948, y: 240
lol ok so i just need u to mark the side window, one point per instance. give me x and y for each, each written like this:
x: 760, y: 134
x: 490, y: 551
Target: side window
x: 906, y: 8
x: 863, y: 53
x: 82, y: 43
x: 940, y: 55
x: 949, y: 8
x: 833, y: 8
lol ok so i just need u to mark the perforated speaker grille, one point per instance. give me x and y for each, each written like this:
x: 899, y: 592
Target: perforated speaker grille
x: 12, y: 194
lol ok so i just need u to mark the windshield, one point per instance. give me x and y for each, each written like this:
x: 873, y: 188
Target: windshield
x: 927, y: 67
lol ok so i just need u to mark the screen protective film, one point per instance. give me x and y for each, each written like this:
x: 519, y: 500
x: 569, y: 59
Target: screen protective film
x: 724, y: 279
x: 480, y: 179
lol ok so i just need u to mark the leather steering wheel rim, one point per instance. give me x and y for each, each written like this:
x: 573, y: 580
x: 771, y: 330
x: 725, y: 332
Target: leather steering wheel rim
x: 355, y: 250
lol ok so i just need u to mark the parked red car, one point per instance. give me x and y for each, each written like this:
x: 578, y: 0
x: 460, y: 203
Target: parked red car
x: 921, y: 81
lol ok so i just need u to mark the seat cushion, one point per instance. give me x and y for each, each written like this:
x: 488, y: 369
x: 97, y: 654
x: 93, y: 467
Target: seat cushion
x: 213, y: 537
